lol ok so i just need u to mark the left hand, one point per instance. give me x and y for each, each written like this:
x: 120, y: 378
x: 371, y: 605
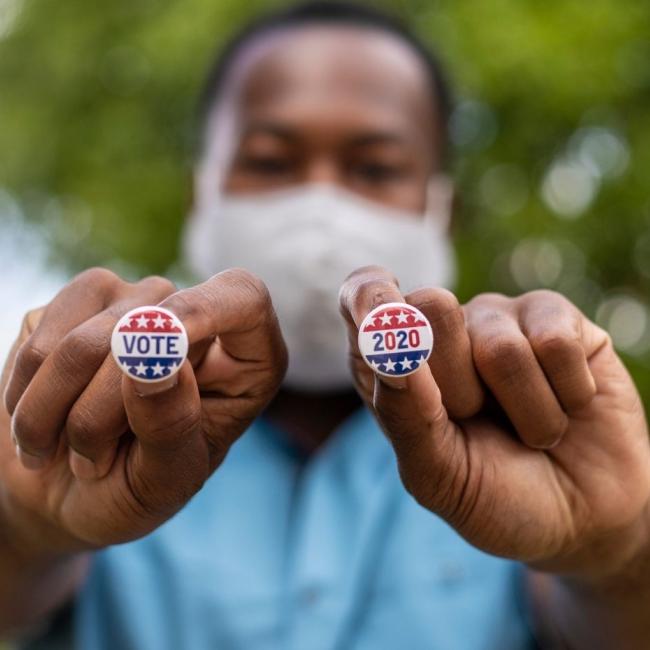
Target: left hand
x: 525, y: 432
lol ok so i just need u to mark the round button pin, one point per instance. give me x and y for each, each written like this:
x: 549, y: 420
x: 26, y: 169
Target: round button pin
x: 395, y: 339
x: 149, y: 344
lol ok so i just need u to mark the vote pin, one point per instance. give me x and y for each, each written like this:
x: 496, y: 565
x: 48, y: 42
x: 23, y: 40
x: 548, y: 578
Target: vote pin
x: 149, y: 344
x: 395, y: 339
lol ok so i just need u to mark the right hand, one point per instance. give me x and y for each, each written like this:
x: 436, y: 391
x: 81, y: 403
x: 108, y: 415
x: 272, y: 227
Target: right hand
x: 98, y: 462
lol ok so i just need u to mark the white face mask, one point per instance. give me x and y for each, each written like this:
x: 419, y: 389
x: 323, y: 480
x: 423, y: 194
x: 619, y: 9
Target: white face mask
x: 303, y: 242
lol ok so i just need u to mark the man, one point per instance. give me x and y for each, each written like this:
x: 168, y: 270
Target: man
x: 524, y: 437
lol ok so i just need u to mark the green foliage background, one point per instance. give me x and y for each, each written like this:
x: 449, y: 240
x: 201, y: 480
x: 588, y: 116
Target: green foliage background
x: 97, y: 107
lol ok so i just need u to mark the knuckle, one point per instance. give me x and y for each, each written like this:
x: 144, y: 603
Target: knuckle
x: 555, y: 345
x: 442, y: 304
x: 500, y: 354
x: 80, y: 349
x: 489, y: 300
x: 158, y: 285
x: 31, y: 320
x: 81, y: 428
x: 546, y: 295
x: 486, y: 319
x: 30, y: 356
x: 444, y: 300
x: 99, y: 277
x: 27, y: 432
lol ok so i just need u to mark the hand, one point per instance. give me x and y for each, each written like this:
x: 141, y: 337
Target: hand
x: 525, y: 432
x: 98, y: 463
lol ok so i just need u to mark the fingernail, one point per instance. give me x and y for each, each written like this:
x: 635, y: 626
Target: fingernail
x: 83, y: 468
x: 30, y: 461
x: 144, y: 389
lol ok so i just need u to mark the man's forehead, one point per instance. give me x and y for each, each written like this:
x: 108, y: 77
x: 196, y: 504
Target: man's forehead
x: 330, y: 63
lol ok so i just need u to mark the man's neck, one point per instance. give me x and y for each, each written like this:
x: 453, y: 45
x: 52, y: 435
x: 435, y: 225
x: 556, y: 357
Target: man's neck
x: 310, y: 418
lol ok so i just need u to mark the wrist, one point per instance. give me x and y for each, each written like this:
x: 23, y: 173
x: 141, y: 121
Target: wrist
x: 599, y: 608
x: 37, y: 575
x: 27, y: 539
x: 606, y: 560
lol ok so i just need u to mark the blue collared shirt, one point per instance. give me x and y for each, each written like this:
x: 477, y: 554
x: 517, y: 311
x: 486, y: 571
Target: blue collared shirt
x: 278, y: 552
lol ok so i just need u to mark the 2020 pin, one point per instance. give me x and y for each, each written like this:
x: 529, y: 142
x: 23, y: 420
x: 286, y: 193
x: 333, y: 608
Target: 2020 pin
x: 395, y: 339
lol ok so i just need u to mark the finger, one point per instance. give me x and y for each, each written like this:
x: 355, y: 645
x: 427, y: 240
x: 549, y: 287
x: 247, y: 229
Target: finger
x: 431, y: 450
x: 505, y: 361
x: 82, y: 298
x: 7, y: 443
x: 234, y: 306
x: 97, y: 419
x: 170, y: 459
x: 361, y: 292
x: 42, y: 410
x: 40, y: 413
x: 431, y: 455
x: 451, y: 359
x: 95, y: 423
x: 27, y: 327
x: 554, y: 329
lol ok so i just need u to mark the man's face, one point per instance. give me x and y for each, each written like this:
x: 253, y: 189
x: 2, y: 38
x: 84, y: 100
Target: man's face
x: 345, y: 105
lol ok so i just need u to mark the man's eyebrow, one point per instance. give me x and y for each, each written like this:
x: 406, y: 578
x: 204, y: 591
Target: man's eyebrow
x: 376, y: 137
x: 271, y: 128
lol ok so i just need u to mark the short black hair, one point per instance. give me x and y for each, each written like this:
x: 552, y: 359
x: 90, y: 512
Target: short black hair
x: 329, y: 12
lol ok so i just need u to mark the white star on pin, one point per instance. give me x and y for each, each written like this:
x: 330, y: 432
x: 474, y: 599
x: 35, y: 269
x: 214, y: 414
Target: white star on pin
x: 159, y: 322
x: 386, y: 319
x: 157, y: 369
x: 402, y: 317
x: 140, y: 369
x: 142, y: 321
x: 405, y: 363
x: 390, y: 365
x: 374, y: 364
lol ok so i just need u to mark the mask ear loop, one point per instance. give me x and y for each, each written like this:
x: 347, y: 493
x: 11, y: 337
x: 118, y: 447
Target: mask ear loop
x: 439, y: 201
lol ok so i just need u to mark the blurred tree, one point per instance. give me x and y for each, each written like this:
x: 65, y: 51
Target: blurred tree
x: 551, y: 134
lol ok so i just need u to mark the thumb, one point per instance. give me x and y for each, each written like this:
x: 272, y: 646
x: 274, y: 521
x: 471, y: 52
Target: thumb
x: 431, y: 451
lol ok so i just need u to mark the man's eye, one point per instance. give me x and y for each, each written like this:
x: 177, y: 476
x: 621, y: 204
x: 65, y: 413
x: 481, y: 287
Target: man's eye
x: 377, y: 172
x: 268, y: 165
